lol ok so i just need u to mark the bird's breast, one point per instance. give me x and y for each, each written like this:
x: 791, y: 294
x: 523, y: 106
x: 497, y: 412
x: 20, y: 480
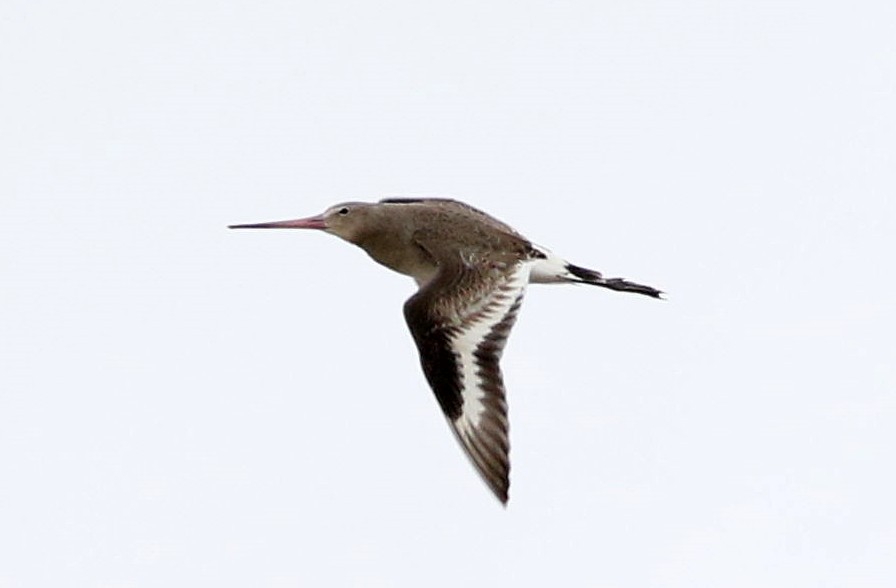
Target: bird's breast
x: 404, y: 258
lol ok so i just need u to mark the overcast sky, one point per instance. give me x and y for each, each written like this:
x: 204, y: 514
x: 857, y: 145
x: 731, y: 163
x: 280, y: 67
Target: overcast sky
x: 183, y: 405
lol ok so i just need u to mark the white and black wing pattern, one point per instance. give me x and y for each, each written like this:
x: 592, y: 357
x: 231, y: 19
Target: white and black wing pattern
x: 460, y: 323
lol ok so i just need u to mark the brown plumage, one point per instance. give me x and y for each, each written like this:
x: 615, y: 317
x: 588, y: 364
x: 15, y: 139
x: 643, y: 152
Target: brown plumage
x: 472, y: 271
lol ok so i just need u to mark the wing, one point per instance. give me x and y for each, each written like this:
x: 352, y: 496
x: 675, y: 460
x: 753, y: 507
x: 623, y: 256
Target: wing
x: 460, y: 322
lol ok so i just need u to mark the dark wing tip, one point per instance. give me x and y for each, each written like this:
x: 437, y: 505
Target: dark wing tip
x: 503, y: 493
x: 490, y: 457
x: 498, y: 481
x: 501, y: 489
x: 502, y: 496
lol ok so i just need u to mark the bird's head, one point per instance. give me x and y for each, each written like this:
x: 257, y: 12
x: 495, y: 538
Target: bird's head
x: 348, y: 220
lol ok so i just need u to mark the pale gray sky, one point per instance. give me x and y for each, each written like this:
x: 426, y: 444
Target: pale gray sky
x: 182, y: 405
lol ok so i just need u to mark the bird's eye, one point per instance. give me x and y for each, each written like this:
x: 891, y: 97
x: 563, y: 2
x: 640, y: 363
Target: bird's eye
x: 342, y: 211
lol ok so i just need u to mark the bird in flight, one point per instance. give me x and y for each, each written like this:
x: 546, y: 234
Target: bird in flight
x: 471, y: 270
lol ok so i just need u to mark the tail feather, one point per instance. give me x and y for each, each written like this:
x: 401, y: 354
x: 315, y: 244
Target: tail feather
x: 587, y: 276
x: 549, y: 268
